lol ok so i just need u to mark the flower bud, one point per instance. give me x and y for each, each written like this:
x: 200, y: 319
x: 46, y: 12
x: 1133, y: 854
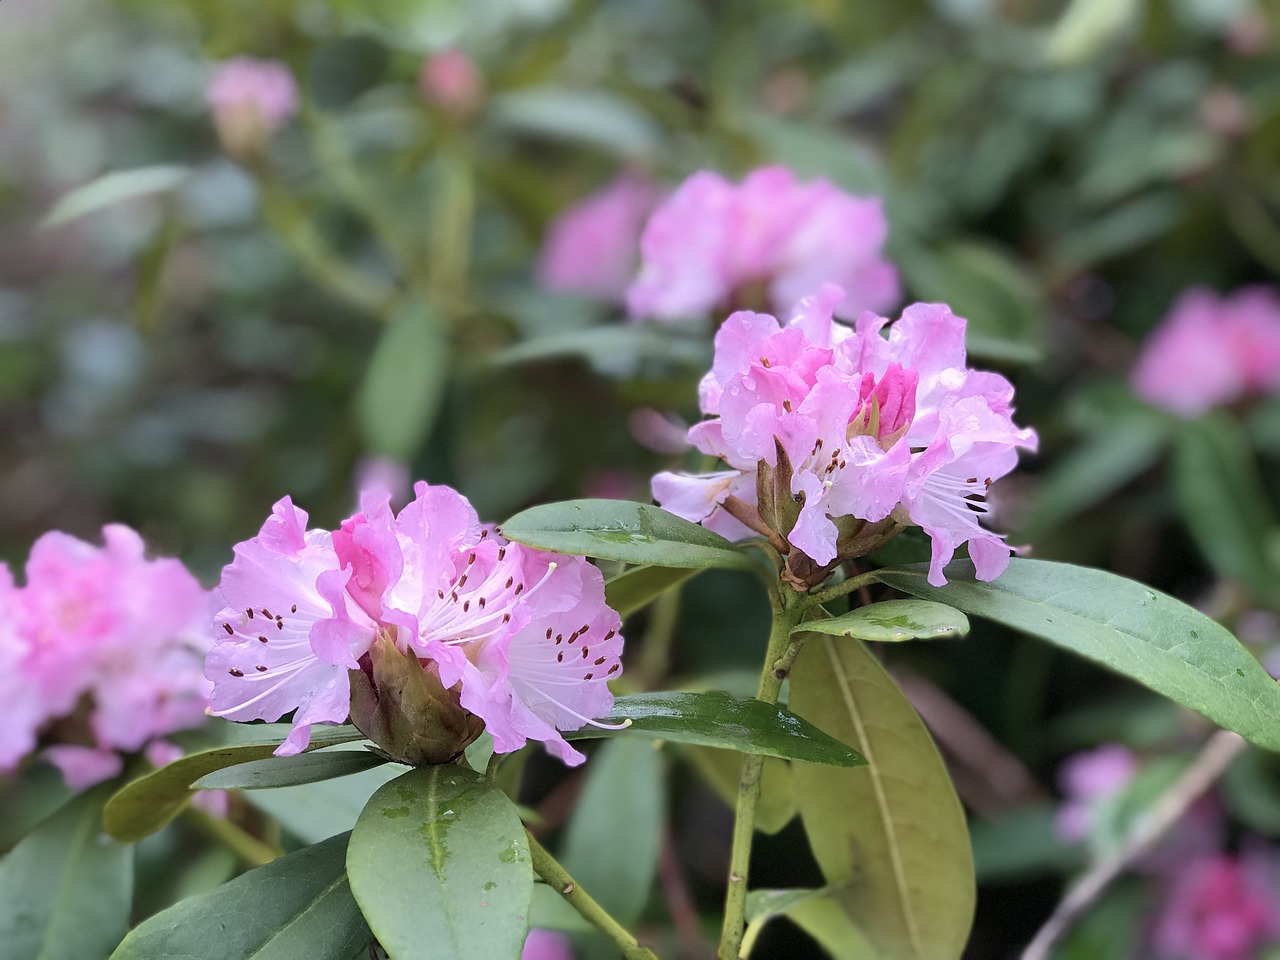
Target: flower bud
x: 450, y: 81
x: 250, y: 99
x: 400, y: 704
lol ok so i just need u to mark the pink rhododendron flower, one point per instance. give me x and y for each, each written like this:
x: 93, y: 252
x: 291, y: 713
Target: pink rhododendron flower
x: 546, y: 945
x: 712, y: 241
x: 523, y: 636
x: 1220, y: 908
x: 1212, y: 350
x: 1088, y: 778
x: 593, y: 247
x: 251, y: 99
x: 450, y: 80
x: 106, y: 640
x: 883, y: 430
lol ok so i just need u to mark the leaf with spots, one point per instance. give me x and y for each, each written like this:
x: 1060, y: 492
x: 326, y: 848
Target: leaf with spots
x: 1125, y: 626
x: 298, y: 906
x: 440, y: 866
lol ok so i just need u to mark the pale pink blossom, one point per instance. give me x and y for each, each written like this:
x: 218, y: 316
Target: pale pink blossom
x: 1212, y: 351
x: 250, y: 99
x: 1220, y: 908
x: 1086, y: 780
x: 592, y: 248
x: 450, y: 80
x: 874, y: 429
x: 712, y: 241
x: 546, y: 945
x: 524, y: 636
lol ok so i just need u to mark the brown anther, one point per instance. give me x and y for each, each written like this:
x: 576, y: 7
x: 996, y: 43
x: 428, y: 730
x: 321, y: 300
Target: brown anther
x: 236, y: 673
x: 510, y: 581
x: 506, y: 618
x: 614, y: 669
x: 587, y: 676
x: 502, y: 553
x: 548, y: 633
x: 559, y: 639
x: 267, y: 613
x: 227, y: 627
x: 519, y: 589
x: 260, y: 668
x: 440, y: 594
x: 462, y: 580
x: 609, y: 635
x: 586, y: 652
x: 786, y: 405
x: 560, y: 657
x: 466, y: 606
x: 262, y: 639
x: 454, y: 595
x: 764, y: 362
x: 584, y: 628
x: 482, y: 601
x: 279, y: 624
x: 293, y: 608
x: 600, y: 660
x: 471, y: 558
x: 248, y: 612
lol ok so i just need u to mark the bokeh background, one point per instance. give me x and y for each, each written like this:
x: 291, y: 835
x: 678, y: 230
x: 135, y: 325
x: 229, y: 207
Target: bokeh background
x: 189, y: 330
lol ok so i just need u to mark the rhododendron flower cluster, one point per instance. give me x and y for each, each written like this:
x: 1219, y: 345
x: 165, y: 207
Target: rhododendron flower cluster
x: 520, y: 638
x: 717, y: 245
x: 106, y: 651
x: 836, y: 437
x: 1212, y: 350
x: 250, y: 99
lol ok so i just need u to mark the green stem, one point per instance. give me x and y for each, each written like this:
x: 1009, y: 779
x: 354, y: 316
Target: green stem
x: 558, y: 878
x: 840, y: 589
x: 789, y: 607
x: 249, y: 850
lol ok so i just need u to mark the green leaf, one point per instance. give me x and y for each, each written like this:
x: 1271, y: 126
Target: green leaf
x: 893, y: 620
x: 290, y: 771
x: 595, y: 117
x: 723, y: 770
x: 1224, y: 503
x: 611, y: 842
x: 151, y: 801
x: 112, y: 188
x: 1148, y: 636
x: 639, y: 586
x: 297, y: 908
x: 817, y: 912
x: 622, y: 530
x: 317, y: 811
x: 1088, y: 26
x: 1020, y: 843
x: 440, y: 866
x: 65, y: 889
x: 716, y: 719
x: 405, y: 382
x: 610, y: 350
x: 893, y: 834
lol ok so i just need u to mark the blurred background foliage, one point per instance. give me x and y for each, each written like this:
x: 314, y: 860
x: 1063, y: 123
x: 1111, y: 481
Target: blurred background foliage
x: 185, y: 338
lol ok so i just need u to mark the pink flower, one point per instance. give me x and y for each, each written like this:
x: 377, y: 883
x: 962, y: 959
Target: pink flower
x: 874, y: 430
x: 524, y: 636
x: 546, y: 945
x: 711, y: 241
x: 1212, y: 350
x: 592, y: 248
x: 450, y: 80
x: 251, y: 99
x: 1086, y: 779
x: 1220, y: 908
x: 107, y: 629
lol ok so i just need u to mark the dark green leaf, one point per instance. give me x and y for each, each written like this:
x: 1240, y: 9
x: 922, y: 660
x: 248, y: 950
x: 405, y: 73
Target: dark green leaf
x: 716, y: 719
x: 290, y: 771
x: 65, y: 889
x: 440, y: 866
x: 1018, y: 844
x: 404, y: 383
x: 622, y: 530
x: 1224, y: 503
x: 1148, y: 636
x: 148, y: 803
x: 636, y: 588
x: 893, y: 834
x: 297, y: 908
x: 611, y: 843
x: 317, y: 811
x: 893, y: 620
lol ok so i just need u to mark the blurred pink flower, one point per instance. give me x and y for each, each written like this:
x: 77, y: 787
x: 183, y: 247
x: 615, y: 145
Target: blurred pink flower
x: 546, y: 945
x: 1220, y: 908
x: 593, y: 247
x: 711, y: 241
x: 451, y: 81
x: 106, y: 631
x: 1086, y: 779
x: 1211, y: 350
x: 525, y: 634
x: 251, y: 99
x: 874, y: 429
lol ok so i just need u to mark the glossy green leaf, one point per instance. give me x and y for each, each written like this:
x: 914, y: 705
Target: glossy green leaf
x: 115, y: 187
x: 405, y: 382
x: 716, y: 719
x: 296, y: 908
x: 317, y: 811
x: 290, y: 771
x: 65, y: 889
x: 818, y: 912
x: 611, y: 843
x: 1224, y: 503
x: 440, y: 865
x: 722, y: 770
x: 1146, y: 635
x: 893, y: 833
x: 148, y: 803
x: 622, y: 530
x: 638, y: 587
x: 893, y: 620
